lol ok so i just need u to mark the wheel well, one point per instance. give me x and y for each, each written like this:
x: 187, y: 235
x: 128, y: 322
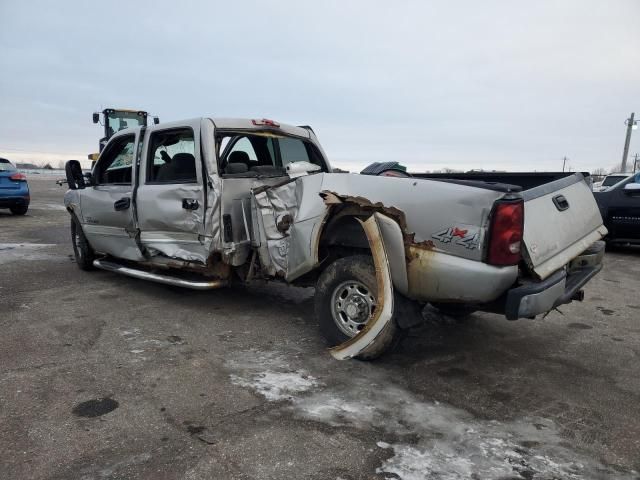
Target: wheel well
x: 343, y: 236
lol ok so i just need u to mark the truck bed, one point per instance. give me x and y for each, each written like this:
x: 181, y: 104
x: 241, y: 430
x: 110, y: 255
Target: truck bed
x: 524, y: 180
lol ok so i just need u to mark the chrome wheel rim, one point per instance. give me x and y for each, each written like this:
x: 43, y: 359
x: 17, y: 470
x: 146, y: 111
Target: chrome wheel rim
x: 352, y: 305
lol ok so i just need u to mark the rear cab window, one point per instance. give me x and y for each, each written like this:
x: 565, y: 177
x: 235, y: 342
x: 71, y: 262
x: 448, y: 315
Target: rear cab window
x: 263, y: 155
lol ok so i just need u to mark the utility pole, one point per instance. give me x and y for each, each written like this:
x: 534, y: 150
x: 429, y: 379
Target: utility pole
x: 564, y: 162
x: 636, y: 163
x: 630, y: 123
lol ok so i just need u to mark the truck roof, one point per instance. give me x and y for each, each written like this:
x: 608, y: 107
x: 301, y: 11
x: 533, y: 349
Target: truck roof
x: 249, y: 124
x: 232, y: 124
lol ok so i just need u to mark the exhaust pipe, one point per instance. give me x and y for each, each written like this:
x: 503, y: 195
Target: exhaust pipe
x: 578, y: 296
x: 155, y: 277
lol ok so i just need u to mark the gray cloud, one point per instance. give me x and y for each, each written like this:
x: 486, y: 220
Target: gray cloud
x: 493, y: 84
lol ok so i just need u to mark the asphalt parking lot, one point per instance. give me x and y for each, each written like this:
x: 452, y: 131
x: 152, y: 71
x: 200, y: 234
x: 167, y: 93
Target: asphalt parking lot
x: 103, y: 376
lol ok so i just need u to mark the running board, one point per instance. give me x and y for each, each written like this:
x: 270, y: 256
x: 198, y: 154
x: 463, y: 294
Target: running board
x: 155, y: 277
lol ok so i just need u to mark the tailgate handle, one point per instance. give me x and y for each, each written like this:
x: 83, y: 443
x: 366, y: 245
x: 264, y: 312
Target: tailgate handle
x: 560, y: 202
x: 122, y: 204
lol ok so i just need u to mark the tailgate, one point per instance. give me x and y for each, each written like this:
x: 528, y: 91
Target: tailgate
x: 561, y: 220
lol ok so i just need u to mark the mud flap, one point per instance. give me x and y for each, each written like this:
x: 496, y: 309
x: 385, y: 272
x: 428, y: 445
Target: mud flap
x: 384, y: 311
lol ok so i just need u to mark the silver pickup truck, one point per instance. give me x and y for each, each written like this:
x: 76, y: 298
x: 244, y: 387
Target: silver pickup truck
x: 210, y: 202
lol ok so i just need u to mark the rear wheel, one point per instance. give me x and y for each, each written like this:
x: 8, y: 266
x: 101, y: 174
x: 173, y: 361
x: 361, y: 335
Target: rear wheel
x: 81, y: 249
x: 19, y: 209
x: 345, y: 302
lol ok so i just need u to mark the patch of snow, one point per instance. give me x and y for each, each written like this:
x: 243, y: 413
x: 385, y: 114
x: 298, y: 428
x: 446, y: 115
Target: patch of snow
x: 48, y: 206
x: 270, y: 375
x: 276, y: 386
x: 425, y: 440
x: 11, y: 252
x: 436, y: 441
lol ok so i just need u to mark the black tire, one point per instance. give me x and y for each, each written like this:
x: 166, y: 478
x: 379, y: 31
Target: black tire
x: 19, y: 209
x: 340, y: 277
x: 81, y: 249
x: 456, y: 311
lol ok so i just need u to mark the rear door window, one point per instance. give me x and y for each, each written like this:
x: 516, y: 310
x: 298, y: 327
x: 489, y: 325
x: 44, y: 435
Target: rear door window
x: 172, y: 157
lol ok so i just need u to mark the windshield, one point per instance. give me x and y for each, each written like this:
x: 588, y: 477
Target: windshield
x: 612, y: 180
x: 117, y: 121
x: 6, y: 165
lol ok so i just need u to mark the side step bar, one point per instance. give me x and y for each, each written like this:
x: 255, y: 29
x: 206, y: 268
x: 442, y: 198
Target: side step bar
x: 155, y: 277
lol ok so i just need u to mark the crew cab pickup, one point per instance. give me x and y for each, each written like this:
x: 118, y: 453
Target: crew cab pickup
x: 210, y: 202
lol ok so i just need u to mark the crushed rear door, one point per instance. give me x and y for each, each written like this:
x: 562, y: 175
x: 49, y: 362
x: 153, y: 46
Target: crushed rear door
x: 562, y: 220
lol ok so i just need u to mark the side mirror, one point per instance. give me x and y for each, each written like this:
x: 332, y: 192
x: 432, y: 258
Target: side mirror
x: 633, y: 187
x: 75, y: 178
x: 156, y: 120
x: 96, y: 117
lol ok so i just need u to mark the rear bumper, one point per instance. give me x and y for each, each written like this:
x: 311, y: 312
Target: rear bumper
x: 560, y: 288
x: 14, y: 201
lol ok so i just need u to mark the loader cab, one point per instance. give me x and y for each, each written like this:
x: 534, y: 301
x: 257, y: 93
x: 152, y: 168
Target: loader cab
x: 113, y: 120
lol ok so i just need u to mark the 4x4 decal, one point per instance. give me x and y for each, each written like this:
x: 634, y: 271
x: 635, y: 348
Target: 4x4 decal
x: 458, y: 236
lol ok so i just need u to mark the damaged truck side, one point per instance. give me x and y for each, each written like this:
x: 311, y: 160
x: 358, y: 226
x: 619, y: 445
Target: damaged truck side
x: 207, y: 203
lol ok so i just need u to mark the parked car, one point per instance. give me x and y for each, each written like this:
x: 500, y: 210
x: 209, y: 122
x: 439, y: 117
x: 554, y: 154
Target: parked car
x: 233, y: 200
x: 620, y: 208
x: 14, y: 189
x: 609, y: 181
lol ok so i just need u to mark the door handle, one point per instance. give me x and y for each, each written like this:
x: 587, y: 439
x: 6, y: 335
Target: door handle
x: 122, y: 204
x: 190, y: 204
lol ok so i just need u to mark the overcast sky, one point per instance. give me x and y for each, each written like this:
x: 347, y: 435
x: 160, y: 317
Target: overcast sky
x: 465, y: 84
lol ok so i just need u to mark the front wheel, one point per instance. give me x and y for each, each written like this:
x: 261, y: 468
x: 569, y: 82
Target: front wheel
x: 81, y: 248
x: 345, y: 301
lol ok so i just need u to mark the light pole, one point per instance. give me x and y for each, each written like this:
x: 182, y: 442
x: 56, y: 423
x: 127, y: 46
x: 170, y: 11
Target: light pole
x: 631, y: 125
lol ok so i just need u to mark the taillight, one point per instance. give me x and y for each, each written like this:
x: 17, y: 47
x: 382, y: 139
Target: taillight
x: 505, y: 235
x: 18, y: 177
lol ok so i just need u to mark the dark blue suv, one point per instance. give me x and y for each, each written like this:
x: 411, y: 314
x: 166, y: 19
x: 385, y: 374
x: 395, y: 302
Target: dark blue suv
x: 14, y: 189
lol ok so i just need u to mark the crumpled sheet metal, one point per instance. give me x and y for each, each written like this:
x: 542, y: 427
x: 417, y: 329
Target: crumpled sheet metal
x: 384, y: 301
x: 214, y: 187
x: 273, y: 205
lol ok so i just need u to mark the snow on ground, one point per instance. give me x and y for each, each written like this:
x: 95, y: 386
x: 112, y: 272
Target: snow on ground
x: 10, y: 252
x: 424, y: 439
x: 430, y: 440
x: 270, y: 375
x: 47, y: 206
